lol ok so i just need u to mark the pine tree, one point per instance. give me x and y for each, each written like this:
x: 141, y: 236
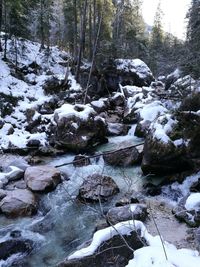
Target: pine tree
x: 157, y: 31
x: 191, y: 62
x: 128, y: 29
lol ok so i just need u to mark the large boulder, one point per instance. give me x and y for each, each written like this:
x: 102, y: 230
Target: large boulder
x: 18, y: 202
x: 163, y: 157
x: 42, y: 178
x: 114, y: 72
x: 134, y: 72
x: 123, y: 157
x: 78, y: 127
x: 127, y: 212
x: 97, y: 188
x: 163, y: 154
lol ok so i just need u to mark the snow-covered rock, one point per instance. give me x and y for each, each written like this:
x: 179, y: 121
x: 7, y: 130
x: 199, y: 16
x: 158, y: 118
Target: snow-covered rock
x: 157, y: 253
x: 77, y: 127
x: 137, y: 69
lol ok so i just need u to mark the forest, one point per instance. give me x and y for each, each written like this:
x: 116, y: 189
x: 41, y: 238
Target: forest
x: 111, y: 29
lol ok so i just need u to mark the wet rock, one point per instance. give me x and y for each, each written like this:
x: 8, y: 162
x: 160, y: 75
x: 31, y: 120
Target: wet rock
x: 152, y: 190
x: 3, y: 194
x: 195, y: 187
x: 123, y: 157
x: 127, y: 212
x: 15, y: 234
x: 18, y: 203
x: 14, y: 246
x: 78, y: 128
x: 111, y: 253
x: 97, y: 188
x: 42, y: 178
x: 81, y: 160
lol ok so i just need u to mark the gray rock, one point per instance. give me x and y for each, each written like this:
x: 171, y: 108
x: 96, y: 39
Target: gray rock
x: 42, y: 178
x: 97, y: 187
x: 127, y: 212
x: 3, y: 194
x: 18, y: 203
x: 123, y: 157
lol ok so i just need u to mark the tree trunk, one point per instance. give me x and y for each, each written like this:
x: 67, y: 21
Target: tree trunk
x: 75, y: 30
x: 82, y: 40
x: 42, y: 36
x: 90, y: 32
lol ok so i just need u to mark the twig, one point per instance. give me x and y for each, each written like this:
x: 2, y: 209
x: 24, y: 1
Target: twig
x: 98, y: 155
x: 154, y: 221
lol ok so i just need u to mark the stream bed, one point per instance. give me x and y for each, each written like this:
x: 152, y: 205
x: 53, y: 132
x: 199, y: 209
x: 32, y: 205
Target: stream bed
x: 62, y: 223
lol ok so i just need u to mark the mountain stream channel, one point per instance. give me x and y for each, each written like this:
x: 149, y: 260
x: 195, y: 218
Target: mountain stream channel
x: 62, y: 223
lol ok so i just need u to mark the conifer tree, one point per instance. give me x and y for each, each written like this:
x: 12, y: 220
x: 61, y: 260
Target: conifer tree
x: 191, y: 61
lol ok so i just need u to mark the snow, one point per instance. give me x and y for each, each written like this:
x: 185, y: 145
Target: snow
x: 134, y: 65
x: 81, y: 111
x: 151, y: 111
x: 29, y: 93
x: 151, y: 255
x: 123, y: 228
x: 154, y: 256
x: 193, y: 202
x: 162, y: 127
x: 98, y: 103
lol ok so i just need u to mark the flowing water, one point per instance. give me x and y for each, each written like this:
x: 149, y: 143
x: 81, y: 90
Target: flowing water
x: 62, y: 223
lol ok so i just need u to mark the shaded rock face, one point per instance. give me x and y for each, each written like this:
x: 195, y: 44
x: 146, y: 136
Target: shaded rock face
x: 14, y: 246
x: 124, y: 157
x: 163, y: 158
x: 20, y: 202
x: 127, y: 212
x: 42, y: 178
x: 113, y: 72
x: 53, y: 85
x: 113, y: 252
x: 97, y: 187
x: 77, y: 134
x: 141, y: 129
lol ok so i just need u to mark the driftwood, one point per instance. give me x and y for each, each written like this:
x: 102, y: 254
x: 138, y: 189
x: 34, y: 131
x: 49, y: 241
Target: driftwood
x: 99, y: 155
